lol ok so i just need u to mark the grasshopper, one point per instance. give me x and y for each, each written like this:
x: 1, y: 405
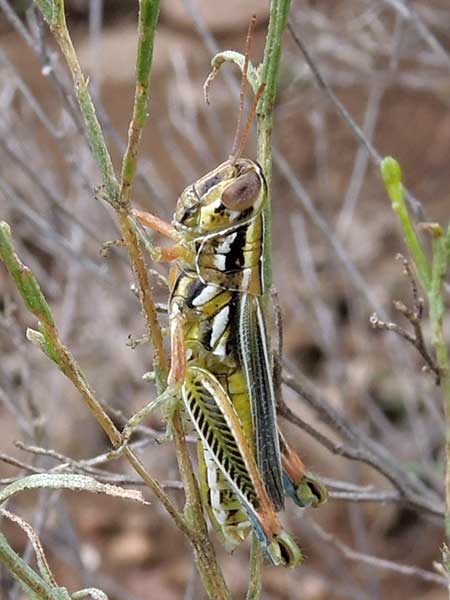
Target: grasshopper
x: 221, y: 361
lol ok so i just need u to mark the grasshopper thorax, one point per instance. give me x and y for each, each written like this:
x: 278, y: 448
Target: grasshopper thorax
x: 231, y: 194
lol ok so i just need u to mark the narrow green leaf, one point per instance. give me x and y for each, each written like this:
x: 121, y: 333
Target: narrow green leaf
x: 41, y: 559
x: 59, y: 481
x: 25, y: 280
x: 392, y: 178
x: 33, y: 585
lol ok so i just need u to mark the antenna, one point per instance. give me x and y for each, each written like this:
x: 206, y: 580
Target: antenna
x: 244, y: 81
x: 238, y: 151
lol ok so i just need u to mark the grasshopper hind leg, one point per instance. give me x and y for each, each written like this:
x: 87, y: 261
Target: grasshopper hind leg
x: 226, y: 515
x: 220, y: 431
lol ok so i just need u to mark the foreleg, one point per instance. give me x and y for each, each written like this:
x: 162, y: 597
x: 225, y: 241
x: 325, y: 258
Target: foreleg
x: 171, y: 395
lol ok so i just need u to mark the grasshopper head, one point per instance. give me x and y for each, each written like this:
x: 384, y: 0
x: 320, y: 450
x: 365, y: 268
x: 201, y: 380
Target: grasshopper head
x: 231, y: 194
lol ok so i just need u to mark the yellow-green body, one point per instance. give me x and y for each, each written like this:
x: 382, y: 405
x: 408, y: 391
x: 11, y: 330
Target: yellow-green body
x: 218, y: 325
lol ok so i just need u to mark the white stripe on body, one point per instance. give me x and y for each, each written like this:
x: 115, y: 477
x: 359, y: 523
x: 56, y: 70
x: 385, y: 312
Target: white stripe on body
x: 219, y: 261
x: 219, y: 325
x: 225, y: 246
x: 207, y: 294
x: 214, y: 491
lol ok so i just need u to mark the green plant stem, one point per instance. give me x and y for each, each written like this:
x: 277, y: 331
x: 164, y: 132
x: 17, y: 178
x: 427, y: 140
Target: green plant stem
x: 441, y: 255
x: 204, y: 554
x: 30, y: 581
x: 256, y: 564
x: 161, y: 365
x: 392, y: 177
x: 148, y: 18
x: 279, y: 12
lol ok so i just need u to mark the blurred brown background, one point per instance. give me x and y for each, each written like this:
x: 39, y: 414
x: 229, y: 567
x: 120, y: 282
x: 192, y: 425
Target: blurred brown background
x: 335, y: 239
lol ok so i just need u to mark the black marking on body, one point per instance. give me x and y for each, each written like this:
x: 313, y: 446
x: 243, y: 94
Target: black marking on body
x: 232, y: 343
x: 221, y: 209
x: 207, y: 324
x: 235, y: 258
x: 194, y: 291
x: 188, y: 211
x: 208, y: 184
x: 246, y: 213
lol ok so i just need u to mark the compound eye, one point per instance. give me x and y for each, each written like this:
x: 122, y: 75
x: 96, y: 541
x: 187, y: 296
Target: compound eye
x: 243, y: 193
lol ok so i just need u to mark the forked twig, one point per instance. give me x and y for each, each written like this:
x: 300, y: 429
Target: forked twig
x: 414, y: 316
